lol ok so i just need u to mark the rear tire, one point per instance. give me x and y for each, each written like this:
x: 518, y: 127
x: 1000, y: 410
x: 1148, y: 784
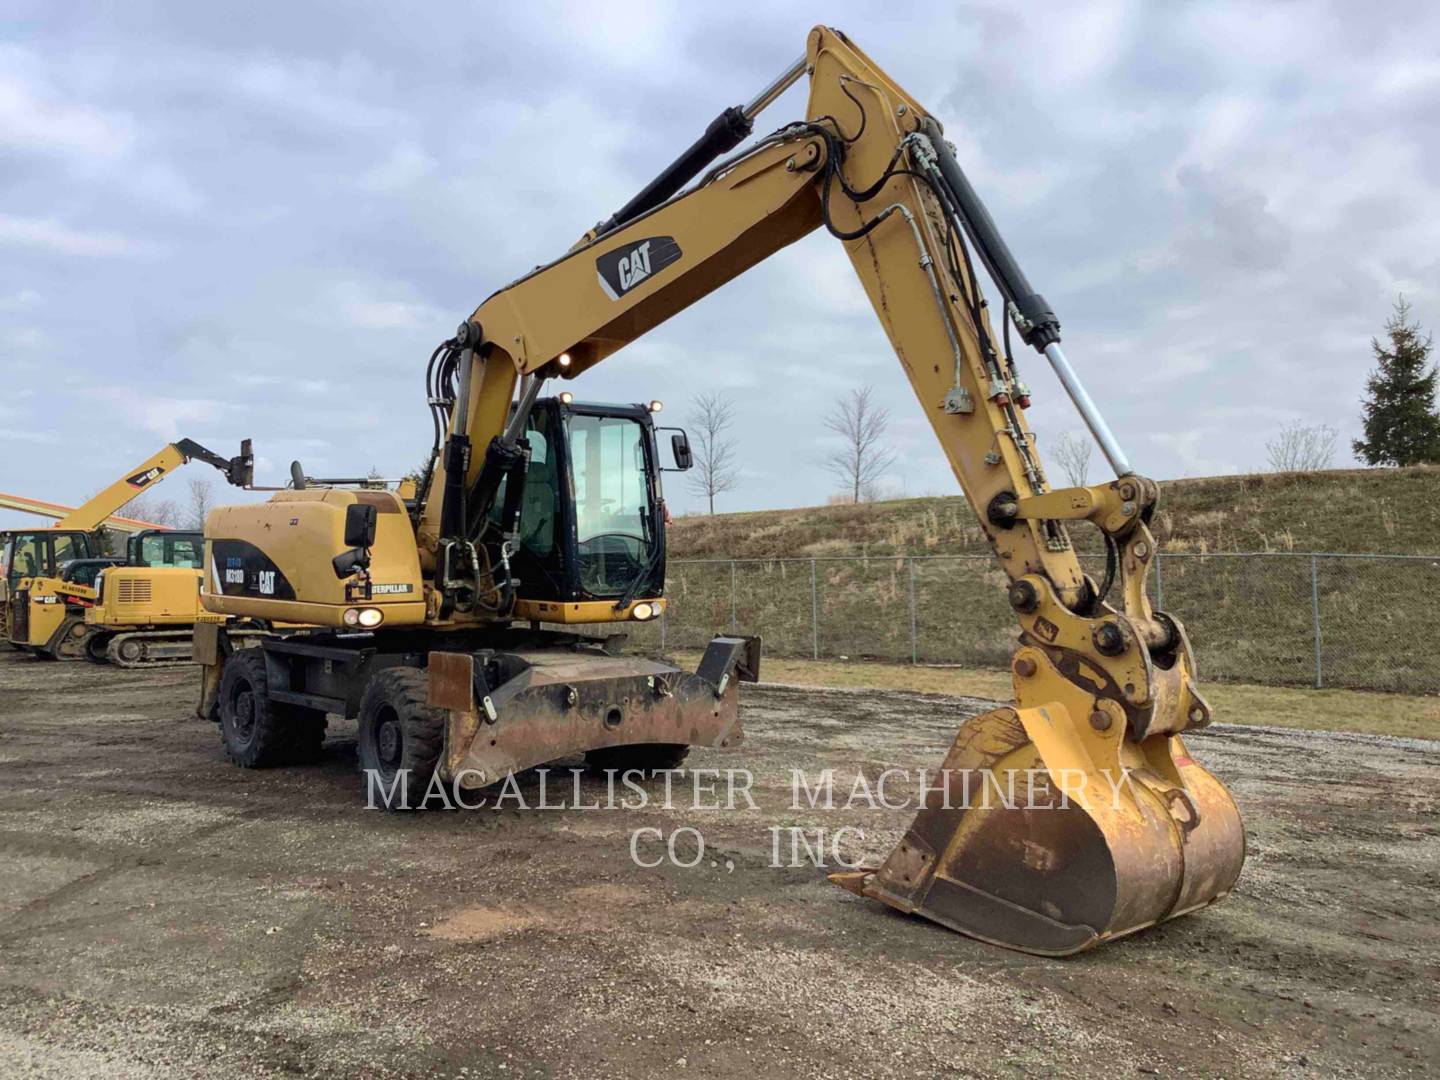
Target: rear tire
x: 646, y: 757
x: 399, y: 731
x: 258, y: 732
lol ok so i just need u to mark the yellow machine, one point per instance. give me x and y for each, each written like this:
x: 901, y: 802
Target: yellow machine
x: 57, y: 577
x: 143, y: 612
x: 43, y: 508
x: 435, y: 609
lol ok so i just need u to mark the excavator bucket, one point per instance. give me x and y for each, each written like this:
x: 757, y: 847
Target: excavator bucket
x: 1041, y: 837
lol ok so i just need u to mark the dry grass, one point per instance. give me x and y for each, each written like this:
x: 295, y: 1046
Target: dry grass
x: 1391, y: 511
x: 1266, y: 706
x: 1247, y: 618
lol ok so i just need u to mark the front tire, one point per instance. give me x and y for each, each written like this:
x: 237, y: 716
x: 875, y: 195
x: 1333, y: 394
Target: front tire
x: 398, y: 730
x: 258, y: 732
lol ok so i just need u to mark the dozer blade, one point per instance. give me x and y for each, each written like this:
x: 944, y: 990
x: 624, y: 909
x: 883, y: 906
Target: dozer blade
x: 1098, y: 839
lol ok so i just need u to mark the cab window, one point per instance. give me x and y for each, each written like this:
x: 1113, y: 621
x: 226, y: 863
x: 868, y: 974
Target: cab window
x: 612, y: 501
x: 27, y: 558
x: 542, y: 486
x: 185, y: 552
x: 163, y: 549
x: 70, y: 547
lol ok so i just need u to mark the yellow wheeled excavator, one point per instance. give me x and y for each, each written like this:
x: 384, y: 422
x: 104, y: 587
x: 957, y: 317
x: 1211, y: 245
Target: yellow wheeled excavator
x: 435, y: 613
x: 62, y: 590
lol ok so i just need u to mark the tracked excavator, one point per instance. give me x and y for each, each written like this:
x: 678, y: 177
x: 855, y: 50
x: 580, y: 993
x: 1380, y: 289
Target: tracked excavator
x: 65, y: 601
x: 447, y: 626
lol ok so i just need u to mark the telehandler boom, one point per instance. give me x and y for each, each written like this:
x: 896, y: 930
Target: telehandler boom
x: 444, y: 680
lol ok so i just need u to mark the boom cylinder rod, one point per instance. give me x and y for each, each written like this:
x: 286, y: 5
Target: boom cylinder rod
x: 786, y: 79
x: 1088, y: 412
x: 462, y: 412
x: 726, y: 131
x: 529, y: 391
x: 1032, y: 316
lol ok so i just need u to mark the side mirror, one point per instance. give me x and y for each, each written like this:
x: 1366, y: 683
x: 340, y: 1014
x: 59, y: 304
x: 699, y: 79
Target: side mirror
x: 297, y: 476
x: 680, y: 447
x: 350, y: 562
x: 360, y: 524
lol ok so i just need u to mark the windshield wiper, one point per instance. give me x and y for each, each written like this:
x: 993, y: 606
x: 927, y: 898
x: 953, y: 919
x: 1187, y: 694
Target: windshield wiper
x: 645, y: 571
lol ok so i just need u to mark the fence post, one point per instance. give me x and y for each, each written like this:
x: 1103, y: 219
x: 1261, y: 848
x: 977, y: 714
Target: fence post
x: 734, y: 619
x: 1159, y: 583
x: 914, y: 646
x: 1315, y: 616
x: 814, y: 612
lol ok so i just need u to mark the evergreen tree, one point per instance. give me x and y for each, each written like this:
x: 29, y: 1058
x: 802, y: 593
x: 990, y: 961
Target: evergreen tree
x: 1401, y: 425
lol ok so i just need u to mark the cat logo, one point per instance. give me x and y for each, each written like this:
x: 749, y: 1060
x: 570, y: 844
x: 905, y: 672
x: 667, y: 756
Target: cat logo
x: 146, y: 478
x: 635, y: 263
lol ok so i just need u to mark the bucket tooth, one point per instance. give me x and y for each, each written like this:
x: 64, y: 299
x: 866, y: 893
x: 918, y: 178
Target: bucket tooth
x: 1028, y: 841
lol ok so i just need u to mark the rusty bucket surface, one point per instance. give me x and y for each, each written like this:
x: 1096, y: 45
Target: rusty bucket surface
x: 1041, y: 837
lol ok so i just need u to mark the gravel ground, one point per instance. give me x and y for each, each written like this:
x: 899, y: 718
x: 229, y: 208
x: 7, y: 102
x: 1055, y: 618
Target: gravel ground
x: 167, y: 914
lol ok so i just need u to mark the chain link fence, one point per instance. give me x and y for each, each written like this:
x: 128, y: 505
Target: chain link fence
x: 1359, y: 621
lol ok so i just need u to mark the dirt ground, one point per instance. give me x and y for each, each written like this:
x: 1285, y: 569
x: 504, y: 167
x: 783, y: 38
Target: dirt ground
x: 163, y: 913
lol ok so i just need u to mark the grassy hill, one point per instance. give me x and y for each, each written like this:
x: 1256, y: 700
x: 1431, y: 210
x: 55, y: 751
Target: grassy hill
x: 1251, y: 619
x: 1389, y: 511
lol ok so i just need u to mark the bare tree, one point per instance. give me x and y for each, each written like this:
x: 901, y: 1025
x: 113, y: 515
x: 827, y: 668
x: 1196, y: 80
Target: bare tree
x: 864, y: 456
x: 1301, y: 448
x: 716, y: 469
x: 156, y: 511
x: 1072, y: 454
x: 202, y: 497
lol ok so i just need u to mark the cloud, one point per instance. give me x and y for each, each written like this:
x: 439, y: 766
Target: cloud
x: 18, y: 301
x: 15, y: 435
x: 50, y: 235
x: 405, y: 166
x: 1220, y: 201
x: 160, y: 415
x: 31, y: 121
x: 379, y: 307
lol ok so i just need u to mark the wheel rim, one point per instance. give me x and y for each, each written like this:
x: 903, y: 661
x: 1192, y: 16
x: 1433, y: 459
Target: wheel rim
x: 244, y: 712
x: 389, y: 740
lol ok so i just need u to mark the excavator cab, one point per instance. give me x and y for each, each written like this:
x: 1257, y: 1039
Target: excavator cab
x: 165, y: 548
x: 592, y: 528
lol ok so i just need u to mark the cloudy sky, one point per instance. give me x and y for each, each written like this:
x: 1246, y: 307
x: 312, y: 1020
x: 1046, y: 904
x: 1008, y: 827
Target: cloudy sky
x: 257, y: 219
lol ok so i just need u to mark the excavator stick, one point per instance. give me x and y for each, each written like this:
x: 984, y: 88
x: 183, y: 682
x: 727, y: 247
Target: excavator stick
x: 1085, y: 818
x: 1025, y: 842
